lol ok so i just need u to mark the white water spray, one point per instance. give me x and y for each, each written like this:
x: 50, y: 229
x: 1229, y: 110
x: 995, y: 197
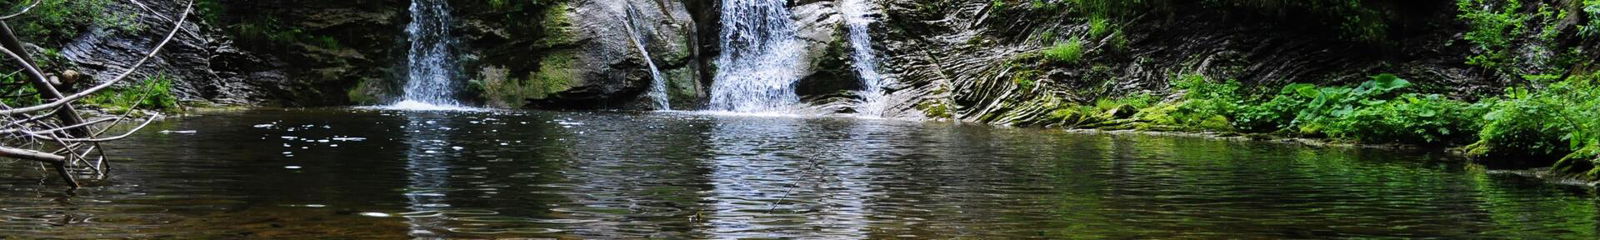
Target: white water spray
x: 873, y: 102
x: 760, y: 60
x: 431, y: 67
x: 658, y: 84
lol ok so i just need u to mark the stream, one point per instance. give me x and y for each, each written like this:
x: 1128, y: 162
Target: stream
x: 366, y: 173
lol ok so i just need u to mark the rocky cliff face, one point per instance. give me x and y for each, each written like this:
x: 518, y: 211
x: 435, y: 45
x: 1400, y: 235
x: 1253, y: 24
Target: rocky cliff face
x: 964, y: 59
x: 203, y: 59
x: 575, y: 54
x: 981, y: 60
x: 284, y: 53
x: 582, y: 54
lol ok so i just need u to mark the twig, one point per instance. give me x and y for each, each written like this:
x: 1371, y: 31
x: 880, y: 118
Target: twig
x: 69, y: 99
x: 24, y: 10
x: 26, y: 154
x: 106, y: 139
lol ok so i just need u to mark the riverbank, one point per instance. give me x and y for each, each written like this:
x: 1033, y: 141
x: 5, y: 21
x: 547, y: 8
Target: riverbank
x: 1547, y: 127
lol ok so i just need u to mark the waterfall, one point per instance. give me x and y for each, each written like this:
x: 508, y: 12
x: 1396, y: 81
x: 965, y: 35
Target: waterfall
x: 856, y: 19
x: 431, y: 65
x: 760, y: 59
x: 658, y: 84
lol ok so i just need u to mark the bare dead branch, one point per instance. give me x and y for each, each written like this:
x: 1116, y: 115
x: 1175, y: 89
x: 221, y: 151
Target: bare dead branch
x: 130, y: 132
x: 58, y: 129
x: 27, y: 154
x: 23, y: 11
x: 189, y: 7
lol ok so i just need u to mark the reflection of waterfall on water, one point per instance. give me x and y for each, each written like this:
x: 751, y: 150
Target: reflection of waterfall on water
x: 428, y: 173
x: 431, y: 67
x: 856, y: 19
x: 658, y: 84
x: 760, y: 59
x: 774, y: 179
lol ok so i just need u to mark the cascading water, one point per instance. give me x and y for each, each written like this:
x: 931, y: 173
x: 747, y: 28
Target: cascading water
x: 658, y: 84
x: 761, y: 55
x: 431, y: 66
x: 873, y: 102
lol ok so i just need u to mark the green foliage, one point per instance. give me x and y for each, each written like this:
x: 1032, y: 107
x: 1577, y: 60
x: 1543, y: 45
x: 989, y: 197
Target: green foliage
x: 1025, y: 79
x: 1065, y: 52
x: 18, y: 92
x: 1494, y: 24
x: 154, y: 93
x: 1369, y: 113
x: 1277, y: 113
x: 1592, y: 28
x: 1331, y: 104
x: 1412, y: 119
x: 556, y: 73
x: 1108, y: 8
x: 1043, y: 5
x: 1559, y: 119
x: 269, y: 31
x: 1047, y: 36
x: 363, y: 93
x: 1099, y: 27
x: 56, y: 21
x: 1206, y: 105
x: 935, y: 109
x: 1357, y: 20
x: 557, y: 27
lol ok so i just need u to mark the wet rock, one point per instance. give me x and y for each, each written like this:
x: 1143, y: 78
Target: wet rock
x: 581, y: 55
x: 268, y: 54
x: 973, y: 53
x: 202, y: 61
x: 828, y: 76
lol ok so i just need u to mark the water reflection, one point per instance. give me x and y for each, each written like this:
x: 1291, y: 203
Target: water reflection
x: 428, y: 165
x: 303, y: 174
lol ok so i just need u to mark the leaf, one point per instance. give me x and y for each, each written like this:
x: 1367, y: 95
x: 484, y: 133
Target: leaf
x: 1427, y: 113
x: 1304, y: 89
x: 1383, y: 83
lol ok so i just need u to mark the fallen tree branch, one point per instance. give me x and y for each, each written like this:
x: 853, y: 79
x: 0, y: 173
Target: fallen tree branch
x: 79, y: 125
x: 27, y: 154
x: 130, y: 132
x: 86, y: 92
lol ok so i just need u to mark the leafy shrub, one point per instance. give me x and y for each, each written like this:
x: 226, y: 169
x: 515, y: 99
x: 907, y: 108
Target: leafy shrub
x: 1330, y: 104
x: 57, y: 21
x: 1353, y: 20
x: 1370, y: 112
x: 1412, y: 119
x: 154, y: 93
x: 1493, y: 25
x: 1099, y: 27
x: 1591, y: 29
x: 1065, y: 52
x: 1558, y: 120
x: 501, y: 90
x: 1272, y: 115
x: 16, y: 91
x: 1206, y: 105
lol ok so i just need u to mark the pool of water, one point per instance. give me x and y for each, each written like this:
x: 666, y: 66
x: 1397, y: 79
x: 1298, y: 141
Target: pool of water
x: 394, y: 174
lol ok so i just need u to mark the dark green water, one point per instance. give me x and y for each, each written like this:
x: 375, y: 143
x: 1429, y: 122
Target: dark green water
x: 298, y: 174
